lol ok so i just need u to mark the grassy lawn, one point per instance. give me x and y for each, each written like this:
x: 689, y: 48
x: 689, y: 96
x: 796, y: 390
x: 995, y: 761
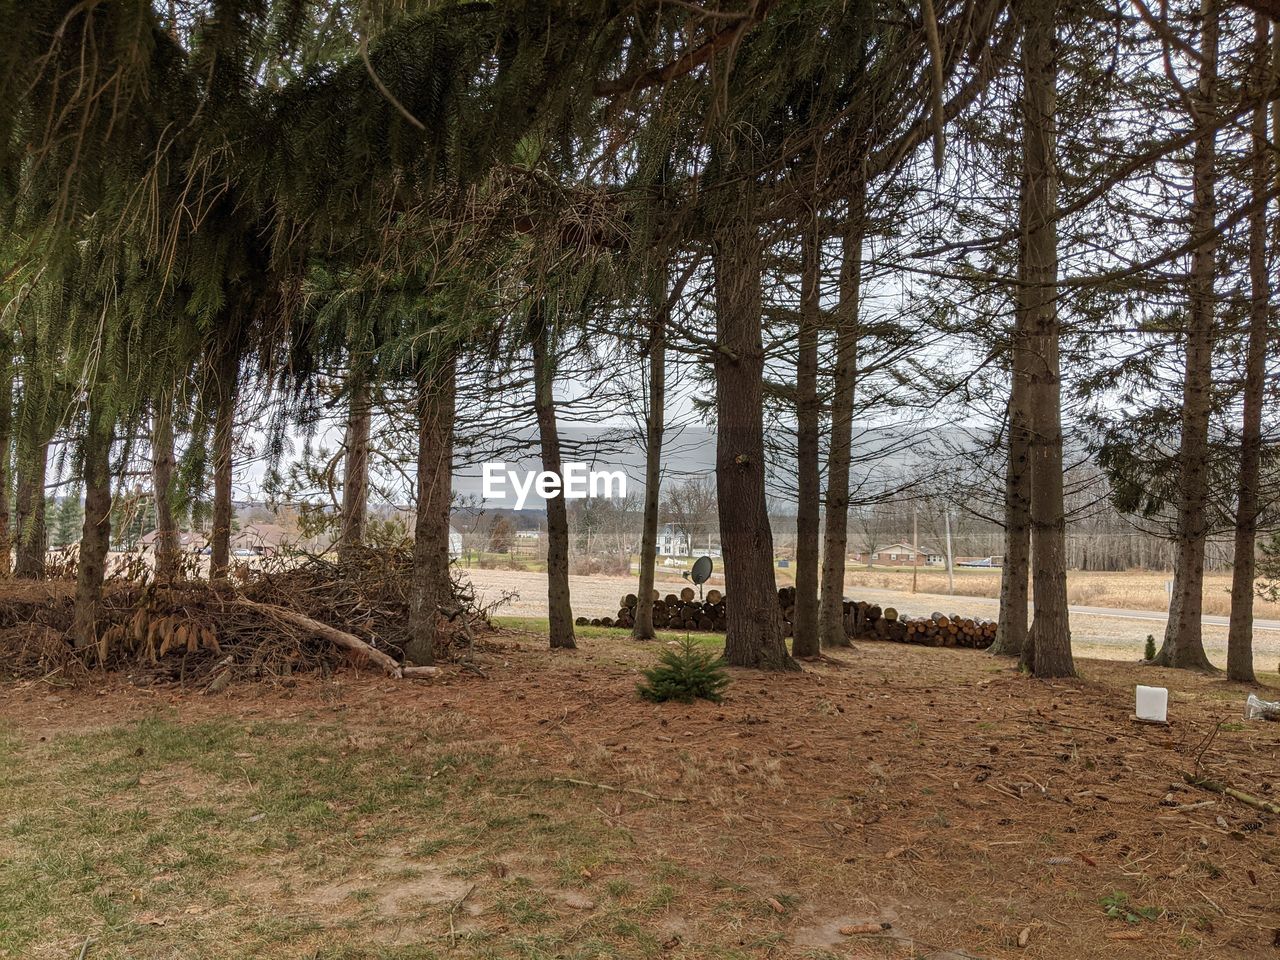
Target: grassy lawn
x: 543, y: 810
x: 299, y: 838
x: 537, y: 626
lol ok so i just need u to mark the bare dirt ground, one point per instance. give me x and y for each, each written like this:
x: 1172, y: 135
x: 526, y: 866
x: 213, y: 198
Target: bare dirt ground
x: 1103, y: 637
x: 933, y: 797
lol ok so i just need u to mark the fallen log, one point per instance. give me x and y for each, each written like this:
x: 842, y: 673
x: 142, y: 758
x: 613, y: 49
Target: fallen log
x: 338, y: 638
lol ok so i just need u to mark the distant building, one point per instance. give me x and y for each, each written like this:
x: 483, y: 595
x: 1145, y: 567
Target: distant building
x: 894, y: 555
x: 672, y: 543
x: 260, y: 540
x: 455, y: 543
x: 188, y: 541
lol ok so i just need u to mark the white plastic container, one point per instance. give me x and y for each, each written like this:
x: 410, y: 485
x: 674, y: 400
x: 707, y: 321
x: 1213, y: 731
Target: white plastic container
x: 1257, y: 709
x: 1152, y: 704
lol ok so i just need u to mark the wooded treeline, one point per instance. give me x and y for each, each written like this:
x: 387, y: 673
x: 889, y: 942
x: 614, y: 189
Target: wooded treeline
x: 1050, y: 221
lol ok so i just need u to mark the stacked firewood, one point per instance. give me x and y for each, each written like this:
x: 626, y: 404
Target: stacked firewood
x: 862, y: 620
x: 682, y: 611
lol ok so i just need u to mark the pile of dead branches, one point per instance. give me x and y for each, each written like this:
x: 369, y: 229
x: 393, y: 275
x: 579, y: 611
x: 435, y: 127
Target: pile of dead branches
x: 298, y: 614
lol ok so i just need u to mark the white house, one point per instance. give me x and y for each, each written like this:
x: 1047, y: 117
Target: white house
x: 455, y: 543
x: 672, y: 543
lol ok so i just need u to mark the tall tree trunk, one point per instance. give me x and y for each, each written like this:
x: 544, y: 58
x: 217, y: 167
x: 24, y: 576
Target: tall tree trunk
x: 559, y: 602
x: 1183, y: 641
x: 355, y: 468
x: 1050, y: 636
x: 227, y: 391
x: 432, y: 587
x: 32, y: 461
x: 754, y: 622
x: 95, y: 537
x: 836, y: 532
x: 655, y: 421
x: 1011, y: 626
x: 1244, y: 565
x: 805, y: 640
x: 6, y: 459
x: 162, y: 465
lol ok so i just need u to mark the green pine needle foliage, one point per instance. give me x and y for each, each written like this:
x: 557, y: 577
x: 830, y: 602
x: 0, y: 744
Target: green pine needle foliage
x: 686, y: 673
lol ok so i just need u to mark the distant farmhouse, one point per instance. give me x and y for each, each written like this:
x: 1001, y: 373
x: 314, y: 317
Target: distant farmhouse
x: 189, y: 541
x: 672, y: 543
x: 896, y: 555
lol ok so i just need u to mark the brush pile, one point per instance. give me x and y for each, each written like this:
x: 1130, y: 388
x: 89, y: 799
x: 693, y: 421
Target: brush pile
x: 288, y: 617
x: 862, y: 620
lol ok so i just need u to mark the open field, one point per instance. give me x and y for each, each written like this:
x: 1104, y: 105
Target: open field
x: 543, y: 810
x: 1130, y: 589
x: 1092, y: 635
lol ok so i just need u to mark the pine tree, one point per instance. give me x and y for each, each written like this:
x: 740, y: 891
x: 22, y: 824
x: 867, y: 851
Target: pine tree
x: 67, y: 519
x: 685, y: 673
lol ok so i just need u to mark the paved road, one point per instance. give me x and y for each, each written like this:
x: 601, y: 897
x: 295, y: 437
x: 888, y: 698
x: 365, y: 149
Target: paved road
x: 1208, y: 620
x: 1119, y: 613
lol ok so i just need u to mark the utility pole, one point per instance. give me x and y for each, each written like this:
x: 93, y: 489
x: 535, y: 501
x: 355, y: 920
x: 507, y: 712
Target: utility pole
x: 915, y: 545
x: 951, y: 573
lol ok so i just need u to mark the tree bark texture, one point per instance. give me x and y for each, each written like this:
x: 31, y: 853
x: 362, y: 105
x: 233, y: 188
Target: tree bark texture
x: 32, y: 462
x: 95, y: 537
x: 432, y: 585
x: 1183, y: 640
x: 845, y: 376
x: 1011, y: 626
x: 1244, y: 566
x: 355, y: 468
x: 6, y: 459
x: 226, y: 392
x: 655, y: 420
x: 162, y: 467
x: 754, y: 621
x: 805, y: 638
x: 559, y: 602
x: 1050, y: 635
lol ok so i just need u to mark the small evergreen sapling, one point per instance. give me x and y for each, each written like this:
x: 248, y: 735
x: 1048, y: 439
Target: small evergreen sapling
x: 1150, y: 652
x: 686, y: 673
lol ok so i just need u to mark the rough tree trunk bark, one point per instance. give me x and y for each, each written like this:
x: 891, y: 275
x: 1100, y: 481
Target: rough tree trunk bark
x: 654, y: 424
x: 805, y: 641
x: 95, y: 536
x: 1183, y: 641
x: 836, y: 531
x: 559, y: 602
x: 1011, y: 627
x: 437, y: 398
x: 162, y: 464
x: 355, y: 469
x: 754, y: 621
x: 6, y: 459
x: 1244, y: 565
x: 1050, y: 636
x: 227, y: 390
x: 33, y: 458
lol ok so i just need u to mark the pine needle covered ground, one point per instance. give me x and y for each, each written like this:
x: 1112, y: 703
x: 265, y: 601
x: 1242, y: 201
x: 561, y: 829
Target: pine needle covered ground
x: 544, y: 810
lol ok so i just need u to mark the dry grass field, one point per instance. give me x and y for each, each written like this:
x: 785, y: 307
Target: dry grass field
x: 1092, y: 634
x: 1129, y: 589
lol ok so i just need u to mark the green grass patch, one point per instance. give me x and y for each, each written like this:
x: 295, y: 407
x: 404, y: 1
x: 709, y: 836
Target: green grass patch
x: 540, y: 627
x: 226, y: 839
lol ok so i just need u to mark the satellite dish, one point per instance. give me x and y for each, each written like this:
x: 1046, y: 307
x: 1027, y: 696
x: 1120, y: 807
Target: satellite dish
x: 701, y: 570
